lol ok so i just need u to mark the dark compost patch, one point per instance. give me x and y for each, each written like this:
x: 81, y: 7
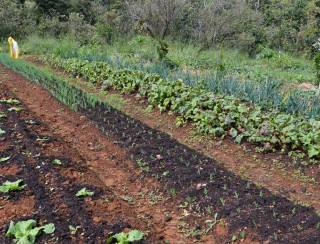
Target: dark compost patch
x: 240, y: 202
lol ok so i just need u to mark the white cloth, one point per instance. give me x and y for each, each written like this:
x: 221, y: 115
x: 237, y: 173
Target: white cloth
x: 15, y: 47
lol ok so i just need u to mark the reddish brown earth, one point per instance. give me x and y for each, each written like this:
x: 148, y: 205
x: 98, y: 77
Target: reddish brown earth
x: 106, y: 166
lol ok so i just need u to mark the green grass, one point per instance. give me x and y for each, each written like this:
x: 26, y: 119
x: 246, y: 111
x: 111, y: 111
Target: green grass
x: 282, y: 66
x: 245, y: 78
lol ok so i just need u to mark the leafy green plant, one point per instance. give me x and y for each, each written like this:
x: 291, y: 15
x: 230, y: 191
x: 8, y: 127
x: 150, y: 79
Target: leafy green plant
x: 10, y: 101
x: 2, y: 115
x: 2, y: 132
x: 317, y: 64
x: 26, y: 232
x: 12, y: 186
x: 73, y: 229
x: 84, y: 193
x: 126, y: 238
x: 15, y: 109
x: 56, y: 162
x: 212, y: 114
x: 143, y: 165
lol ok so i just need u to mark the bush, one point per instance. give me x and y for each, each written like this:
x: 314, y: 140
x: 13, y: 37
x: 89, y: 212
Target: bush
x: 317, y: 64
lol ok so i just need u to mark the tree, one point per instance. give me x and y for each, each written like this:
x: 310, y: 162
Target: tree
x: 156, y: 17
x: 226, y: 21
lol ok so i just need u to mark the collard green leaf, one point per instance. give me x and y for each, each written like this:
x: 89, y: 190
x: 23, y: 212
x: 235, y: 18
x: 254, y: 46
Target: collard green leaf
x: 84, y: 193
x: 26, y: 232
x: 135, y: 235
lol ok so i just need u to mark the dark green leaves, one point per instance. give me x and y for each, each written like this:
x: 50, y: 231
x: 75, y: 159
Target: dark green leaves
x: 126, y: 238
x: 12, y: 186
x: 26, y: 232
x: 84, y: 193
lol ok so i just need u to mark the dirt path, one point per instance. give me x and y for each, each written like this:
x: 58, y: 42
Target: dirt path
x: 82, y: 141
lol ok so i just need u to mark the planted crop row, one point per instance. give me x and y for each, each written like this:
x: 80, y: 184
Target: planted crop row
x: 268, y: 93
x: 212, y: 114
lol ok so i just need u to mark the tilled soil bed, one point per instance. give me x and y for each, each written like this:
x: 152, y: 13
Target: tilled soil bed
x: 49, y: 195
x: 201, y: 186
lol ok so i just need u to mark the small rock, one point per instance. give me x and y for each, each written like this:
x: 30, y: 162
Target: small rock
x: 159, y: 157
x: 96, y: 219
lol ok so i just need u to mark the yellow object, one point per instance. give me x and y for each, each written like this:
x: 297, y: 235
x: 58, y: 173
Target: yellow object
x: 14, y: 49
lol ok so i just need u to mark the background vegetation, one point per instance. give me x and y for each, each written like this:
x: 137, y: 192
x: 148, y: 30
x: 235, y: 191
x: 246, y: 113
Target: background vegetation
x: 247, y: 25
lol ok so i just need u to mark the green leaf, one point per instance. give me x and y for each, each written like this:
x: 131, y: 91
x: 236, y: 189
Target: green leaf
x: 26, y: 232
x: 73, y: 230
x: 234, y: 238
x: 84, y: 193
x: 11, y: 186
x: 313, y: 151
x: 2, y: 132
x: 135, y: 235
x: 56, y: 162
x: 10, y: 101
x: 239, y: 138
x: 233, y: 132
x: 121, y: 237
x: 2, y: 115
x: 15, y: 109
x: 5, y: 159
x: 49, y: 228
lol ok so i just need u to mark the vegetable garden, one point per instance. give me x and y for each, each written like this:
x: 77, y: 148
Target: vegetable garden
x: 59, y: 192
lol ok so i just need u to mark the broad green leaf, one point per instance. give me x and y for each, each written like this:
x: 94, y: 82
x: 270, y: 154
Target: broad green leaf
x: 233, y: 132
x: 84, y: 193
x: 135, y: 235
x: 239, y: 138
x: 313, y: 151
x: 5, y: 159
x: 10, y: 101
x: 56, y: 162
x: 11, y: 186
x: 49, y: 228
x: 15, y: 109
x: 24, y: 240
x: 121, y: 238
x: 2, y: 115
x: 26, y: 232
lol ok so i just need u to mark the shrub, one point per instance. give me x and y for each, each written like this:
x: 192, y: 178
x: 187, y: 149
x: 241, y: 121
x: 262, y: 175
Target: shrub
x: 317, y: 64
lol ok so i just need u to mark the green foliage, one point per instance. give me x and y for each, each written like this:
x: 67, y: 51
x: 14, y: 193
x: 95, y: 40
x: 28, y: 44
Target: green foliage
x: 317, y: 64
x: 211, y: 113
x: 84, y: 193
x: 15, y: 109
x: 2, y: 115
x: 26, y: 232
x: 12, y: 186
x: 10, y: 101
x: 218, y: 115
x: 2, y: 132
x: 56, y: 162
x: 162, y: 50
x: 126, y: 238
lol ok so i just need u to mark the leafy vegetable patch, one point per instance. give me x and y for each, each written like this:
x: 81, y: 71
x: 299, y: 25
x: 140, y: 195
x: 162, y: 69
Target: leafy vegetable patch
x: 211, y: 113
x: 26, y: 232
